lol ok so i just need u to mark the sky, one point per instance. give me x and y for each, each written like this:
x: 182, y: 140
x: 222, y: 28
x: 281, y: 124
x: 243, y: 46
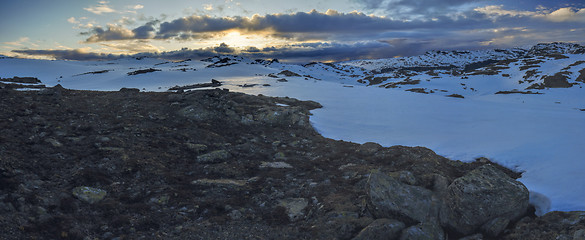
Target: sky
x: 294, y: 31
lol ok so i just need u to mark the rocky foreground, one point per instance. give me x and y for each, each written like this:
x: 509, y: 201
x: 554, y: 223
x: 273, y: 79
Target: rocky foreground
x: 214, y: 164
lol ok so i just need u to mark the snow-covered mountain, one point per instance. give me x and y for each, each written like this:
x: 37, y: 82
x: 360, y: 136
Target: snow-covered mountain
x: 523, y: 108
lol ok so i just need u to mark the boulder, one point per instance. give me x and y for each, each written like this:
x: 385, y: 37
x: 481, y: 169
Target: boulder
x: 478, y: 236
x: 389, y: 198
x: 480, y: 196
x: 495, y: 227
x: 382, y: 228
x: 423, y: 231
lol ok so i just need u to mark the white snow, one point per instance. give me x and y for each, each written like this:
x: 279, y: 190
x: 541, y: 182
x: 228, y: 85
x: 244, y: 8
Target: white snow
x: 541, y: 135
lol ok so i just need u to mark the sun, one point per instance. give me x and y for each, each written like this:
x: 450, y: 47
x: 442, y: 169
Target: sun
x: 240, y: 39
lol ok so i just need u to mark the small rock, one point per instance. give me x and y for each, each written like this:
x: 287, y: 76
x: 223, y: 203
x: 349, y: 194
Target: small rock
x: 162, y: 200
x: 231, y: 182
x: 346, y: 166
x: 275, y: 165
x: 382, y: 228
x: 54, y: 142
x: 279, y: 156
x: 196, y: 147
x: 89, y: 194
x: 294, y: 207
x: 423, y: 231
x: 214, y: 157
x: 235, y: 214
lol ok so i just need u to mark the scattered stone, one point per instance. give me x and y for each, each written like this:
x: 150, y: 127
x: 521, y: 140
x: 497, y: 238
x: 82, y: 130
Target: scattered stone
x: 294, y: 207
x: 382, y: 228
x: 89, y: 194
x: 196, y: 147
x: 235, y: 214
x: 214, y: 157
x: 198, y: 113
x: 275, y: 165
x: 480, y: 196
x: 390, y: 198
x: 346, y: 166
x: 231, y: 182
x: 161, y: 200
x: 279, y: 156
x: 54, y: 142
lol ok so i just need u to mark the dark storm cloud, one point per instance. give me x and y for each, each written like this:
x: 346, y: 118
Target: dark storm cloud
x: 299, y: 26
x: 296, y: 53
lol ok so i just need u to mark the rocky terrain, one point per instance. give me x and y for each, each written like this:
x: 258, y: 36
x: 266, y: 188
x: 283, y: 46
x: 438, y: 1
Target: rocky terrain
x: 213, y: 164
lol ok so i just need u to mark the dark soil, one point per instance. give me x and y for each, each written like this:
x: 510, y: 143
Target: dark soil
x: 194, y: 165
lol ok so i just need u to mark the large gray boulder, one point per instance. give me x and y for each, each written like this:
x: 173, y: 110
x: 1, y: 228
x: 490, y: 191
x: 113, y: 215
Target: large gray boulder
x: 389, y: 198
x: 482, y: 195
x: 423, y: 231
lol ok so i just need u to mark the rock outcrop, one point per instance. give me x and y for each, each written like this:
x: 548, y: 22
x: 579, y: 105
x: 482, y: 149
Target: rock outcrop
x: 221, y: 165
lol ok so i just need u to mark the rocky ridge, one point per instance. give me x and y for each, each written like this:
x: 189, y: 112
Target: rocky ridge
x: 214, y: 164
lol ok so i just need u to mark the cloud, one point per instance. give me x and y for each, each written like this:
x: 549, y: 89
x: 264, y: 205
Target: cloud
x: 76, y: 54
x: 297, y: 26
x: 301, y: 53
x: 72, y: 20
x: 101, y: 8
x: 18, y: 43
x: 136, y: 7
x: 413, y: 9
x: 495, y: 11
x: 567, y: 14
x: 114, y: 32
x: 224, y: 49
